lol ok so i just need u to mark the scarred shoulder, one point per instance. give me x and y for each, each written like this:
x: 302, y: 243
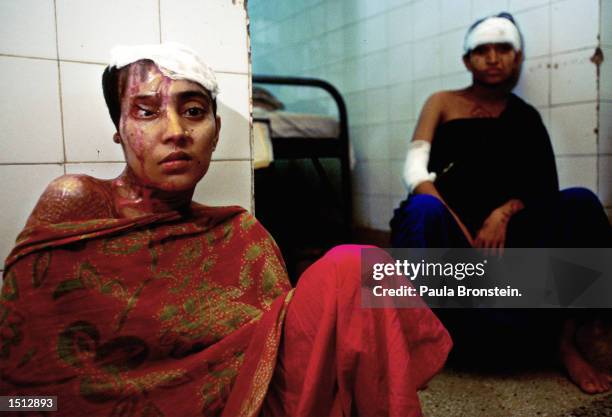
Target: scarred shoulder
x: 446, y: 100
x: 437, y: 100
x: 432, y: 113
x: 73, y: 197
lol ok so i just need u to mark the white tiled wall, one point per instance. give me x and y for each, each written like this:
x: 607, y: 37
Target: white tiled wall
x: 393, y: 54
x: 88, y: 129
x: 605, y: 179
x: 574, y: 78
x: 578, y: 171
x: 535, y: 25
x: 20, y: 191
x: 104, y: 171
x: 605, y: 127
x: 483, y: 8
x: 534, y: 84
x: 604, y: 22
x: 87, y: 30
x: 605, y: 107
x: 216, y: 28
x: 36, y: 18
x: 30, y: 108
x: 54, y: 119
x: 574, y: 25
x: 574, y: 129
x: 226, y: 183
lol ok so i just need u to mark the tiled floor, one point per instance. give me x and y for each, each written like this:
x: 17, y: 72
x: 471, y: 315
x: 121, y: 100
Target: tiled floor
x: 527, y: 394
x: 535, y: 393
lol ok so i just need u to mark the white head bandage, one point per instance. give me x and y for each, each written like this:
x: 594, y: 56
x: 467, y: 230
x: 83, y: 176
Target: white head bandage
x: 493, y: 30
x: 174, y: 60
x: 415, y: 167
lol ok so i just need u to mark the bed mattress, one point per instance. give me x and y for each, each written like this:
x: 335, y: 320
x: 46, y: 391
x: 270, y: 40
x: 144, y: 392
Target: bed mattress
x: 298, y: 125
x: 287, y: 125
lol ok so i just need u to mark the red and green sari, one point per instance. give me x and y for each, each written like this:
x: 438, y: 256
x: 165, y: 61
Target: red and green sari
x: 155, y: 316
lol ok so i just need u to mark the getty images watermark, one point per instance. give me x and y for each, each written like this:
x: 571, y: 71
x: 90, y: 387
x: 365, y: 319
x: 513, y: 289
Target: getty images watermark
x: 467, y: 278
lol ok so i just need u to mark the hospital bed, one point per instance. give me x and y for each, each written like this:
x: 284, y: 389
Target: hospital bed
x: 280, y: 135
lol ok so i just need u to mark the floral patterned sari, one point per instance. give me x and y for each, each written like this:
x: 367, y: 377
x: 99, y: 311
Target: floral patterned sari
x: 160, y: 315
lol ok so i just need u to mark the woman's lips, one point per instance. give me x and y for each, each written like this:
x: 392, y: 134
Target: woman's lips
x: 176, y: 156
x: 175, y: 161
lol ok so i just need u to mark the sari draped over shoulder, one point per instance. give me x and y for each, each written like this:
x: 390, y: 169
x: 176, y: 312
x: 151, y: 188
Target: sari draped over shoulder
x: 160, y: 315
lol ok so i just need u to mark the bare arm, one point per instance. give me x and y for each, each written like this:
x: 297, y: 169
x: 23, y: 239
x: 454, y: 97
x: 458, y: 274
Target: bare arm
x: 430, y: 117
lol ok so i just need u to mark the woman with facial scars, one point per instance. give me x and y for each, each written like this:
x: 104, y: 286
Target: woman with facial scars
x: 125, y: 297
x: 480, y: 172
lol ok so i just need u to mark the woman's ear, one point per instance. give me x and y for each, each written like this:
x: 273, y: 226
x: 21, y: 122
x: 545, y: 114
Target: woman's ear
x: 116, y: 137
x: 218, y: 130
x: 466, y: 62
x: 519, y: 57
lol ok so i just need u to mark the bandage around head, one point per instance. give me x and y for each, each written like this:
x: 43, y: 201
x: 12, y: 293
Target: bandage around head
x: 493, y: 30
x: 415, y: 167
x: 174, y: 60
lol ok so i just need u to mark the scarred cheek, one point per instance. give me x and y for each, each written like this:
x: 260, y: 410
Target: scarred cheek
x: 138, y: 143
x: 133, y: 139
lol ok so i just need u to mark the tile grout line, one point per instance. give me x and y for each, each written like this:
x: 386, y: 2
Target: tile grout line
x: 30, y: 163
x: 250, y: 87
x: 42, y: 58
x: 551, y: 54
x: 598, y: 91
x: 75, y: 61
x: 579, y: 155
x: 159, y: 20
x: 550, y: 57
x: 59, y: 83
x: 598, y: 97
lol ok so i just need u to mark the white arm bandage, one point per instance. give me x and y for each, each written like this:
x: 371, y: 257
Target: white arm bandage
x: 415, y: 167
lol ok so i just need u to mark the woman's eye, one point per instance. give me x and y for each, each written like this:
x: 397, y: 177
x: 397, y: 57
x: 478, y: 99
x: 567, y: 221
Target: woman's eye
x: 479, y: 50
x: 144, y: 112
x: 194, y: 112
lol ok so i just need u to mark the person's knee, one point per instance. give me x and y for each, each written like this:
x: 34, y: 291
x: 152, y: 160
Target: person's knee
x: 340, y: 266
x: 426, y: 205
x: 420, y: 208
x: 347, y: 256
x: 579, y: 198
x: 347, y: 262
x: 420, y: 218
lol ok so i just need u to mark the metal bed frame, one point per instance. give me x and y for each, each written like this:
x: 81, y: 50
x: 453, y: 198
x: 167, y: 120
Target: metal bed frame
x: 316, y: 148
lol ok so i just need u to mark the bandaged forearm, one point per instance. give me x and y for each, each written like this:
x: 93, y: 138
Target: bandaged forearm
x: 415, y: 167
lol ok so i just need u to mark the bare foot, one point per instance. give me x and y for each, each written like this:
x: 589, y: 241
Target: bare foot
x: 589, y: 379
x: 581, y: 372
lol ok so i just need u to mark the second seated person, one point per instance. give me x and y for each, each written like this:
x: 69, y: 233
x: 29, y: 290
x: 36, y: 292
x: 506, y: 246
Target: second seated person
x: 480, y: 172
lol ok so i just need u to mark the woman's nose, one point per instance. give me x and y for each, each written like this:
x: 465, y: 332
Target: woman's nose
x: 492, y: 56
x: 175, y: 131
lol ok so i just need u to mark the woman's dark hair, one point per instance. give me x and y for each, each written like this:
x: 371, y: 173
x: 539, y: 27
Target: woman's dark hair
x: 110, y: 87
x: 503, y: 15
x: 113, y: 86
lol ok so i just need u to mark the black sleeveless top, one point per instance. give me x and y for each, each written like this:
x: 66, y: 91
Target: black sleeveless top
x: 482, y: 163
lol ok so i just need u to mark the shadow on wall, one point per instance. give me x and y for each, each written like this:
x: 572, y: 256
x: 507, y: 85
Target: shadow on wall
x: 226, y: 173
